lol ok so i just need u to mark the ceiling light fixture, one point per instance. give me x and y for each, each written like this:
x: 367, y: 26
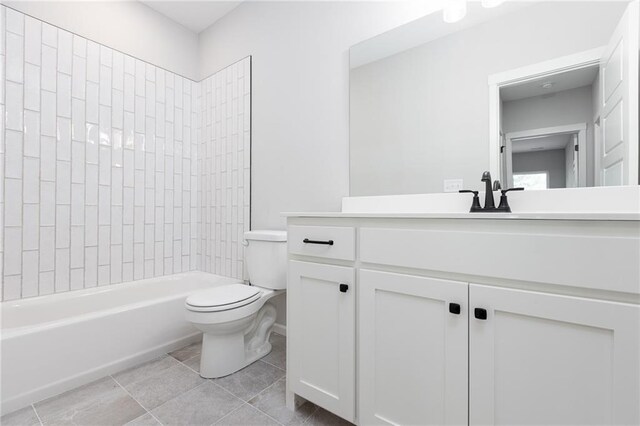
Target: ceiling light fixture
x: 491, y: 3
x: 454, y: 10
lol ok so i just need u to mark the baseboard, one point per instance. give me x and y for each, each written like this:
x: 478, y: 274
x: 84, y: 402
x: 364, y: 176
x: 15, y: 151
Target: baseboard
x: 56, y: 388
x: 280, y: 329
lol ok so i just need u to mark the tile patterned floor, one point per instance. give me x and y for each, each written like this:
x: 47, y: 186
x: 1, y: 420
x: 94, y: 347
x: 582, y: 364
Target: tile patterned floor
x: 169, y: 391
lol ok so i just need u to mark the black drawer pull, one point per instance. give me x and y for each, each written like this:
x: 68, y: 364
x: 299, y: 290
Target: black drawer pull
x: 344, y: 288
x: 454, y: 308
x: 326, y: 243
x: 480, y: 313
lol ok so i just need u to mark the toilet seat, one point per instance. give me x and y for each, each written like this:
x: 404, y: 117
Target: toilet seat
x: 223, y: 298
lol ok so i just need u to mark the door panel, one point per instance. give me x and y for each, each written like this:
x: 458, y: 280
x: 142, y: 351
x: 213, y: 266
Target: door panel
x: 549, y: 359
x: 413, y: 351
x: 618, y: 162
x: 322, y: 335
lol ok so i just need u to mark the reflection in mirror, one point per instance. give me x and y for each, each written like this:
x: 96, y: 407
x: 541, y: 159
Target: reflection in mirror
x: 542, y: 94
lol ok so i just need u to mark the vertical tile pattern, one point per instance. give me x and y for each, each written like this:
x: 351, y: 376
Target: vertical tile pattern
x: 225, y: 161
x: 99, y: 158
x: 2, y: 144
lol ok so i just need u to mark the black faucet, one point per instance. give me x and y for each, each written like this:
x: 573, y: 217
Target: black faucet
x: 489, y: 203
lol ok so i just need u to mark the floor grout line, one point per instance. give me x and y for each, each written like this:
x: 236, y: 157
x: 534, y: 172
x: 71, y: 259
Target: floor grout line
x: 273, y: 365
x: 139, y: 403
x: 33, y: 406
x: 183, y: 393
x: 213, y: 381
x: 251, y: 406
x: 184, y: 363
x: 229, y: 413
x: 236, y: 396
x: 304, y: 420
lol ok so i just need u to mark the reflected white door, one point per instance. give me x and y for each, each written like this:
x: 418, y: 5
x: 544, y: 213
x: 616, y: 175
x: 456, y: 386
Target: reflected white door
x: 619, y: 97
x: 508, y: 161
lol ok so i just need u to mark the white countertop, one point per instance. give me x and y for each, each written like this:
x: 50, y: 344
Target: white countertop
x: 511, y: 216
x: 598, y: 204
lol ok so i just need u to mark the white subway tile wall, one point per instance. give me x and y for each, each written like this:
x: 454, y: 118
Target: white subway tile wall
x: 99, y: 159
x: 225, y: 156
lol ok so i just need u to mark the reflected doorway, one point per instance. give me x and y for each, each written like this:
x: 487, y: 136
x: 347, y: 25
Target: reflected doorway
x: 546, y: 158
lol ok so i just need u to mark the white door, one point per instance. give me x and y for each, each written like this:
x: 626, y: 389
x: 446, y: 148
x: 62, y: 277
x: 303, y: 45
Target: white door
x: 508, y: 161
x: 547, y: 359
x: 412, y: 350
x: 574, y: 161
x: 619, y: 99
x: 321, y: 328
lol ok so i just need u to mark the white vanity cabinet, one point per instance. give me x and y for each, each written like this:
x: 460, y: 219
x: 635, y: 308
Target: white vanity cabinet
x: 321, y: 335
x: 552, y: 359
x: 412, y: 359
x: 469, y: 321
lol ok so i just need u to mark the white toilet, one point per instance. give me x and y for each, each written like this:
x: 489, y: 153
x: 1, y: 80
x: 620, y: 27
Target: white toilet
x: 237, y: 319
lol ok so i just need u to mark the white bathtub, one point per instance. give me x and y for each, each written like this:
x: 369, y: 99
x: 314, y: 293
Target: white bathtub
x: 54, y: 343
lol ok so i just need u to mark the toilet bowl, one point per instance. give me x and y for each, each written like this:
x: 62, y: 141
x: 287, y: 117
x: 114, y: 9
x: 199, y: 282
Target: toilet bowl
x: 237, y: 319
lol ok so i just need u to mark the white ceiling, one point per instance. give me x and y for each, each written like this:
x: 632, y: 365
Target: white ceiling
x: 560, y: 82
x: 423, y: 30
x: 545, y: 143
x: 194, y: 15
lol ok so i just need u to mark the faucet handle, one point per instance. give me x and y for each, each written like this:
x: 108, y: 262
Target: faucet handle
x: 504, y: 191
x: 504, y: 203
x: 475, y: 205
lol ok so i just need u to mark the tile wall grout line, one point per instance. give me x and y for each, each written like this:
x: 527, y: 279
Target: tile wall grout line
x: 84, y: 166
x: 70, y: 118
x: 195, y: 94
x: 55, y: 168
x: 39, y: 161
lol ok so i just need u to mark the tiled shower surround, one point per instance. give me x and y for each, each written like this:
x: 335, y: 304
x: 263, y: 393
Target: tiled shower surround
x: 114, y: 169
x: 225, y: 153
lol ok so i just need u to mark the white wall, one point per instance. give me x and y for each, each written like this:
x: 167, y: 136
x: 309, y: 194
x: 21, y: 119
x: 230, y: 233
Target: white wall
x: 563, y: 108
x: 128, y: 26
x: 299, y: 93
x: 422, y: 116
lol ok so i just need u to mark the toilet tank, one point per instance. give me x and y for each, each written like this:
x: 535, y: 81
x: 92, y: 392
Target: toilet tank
x: 266, y: 258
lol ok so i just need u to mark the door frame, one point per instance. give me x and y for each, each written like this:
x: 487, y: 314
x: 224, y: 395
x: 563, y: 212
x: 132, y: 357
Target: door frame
x: 579, y: 128
x: 585, y: 59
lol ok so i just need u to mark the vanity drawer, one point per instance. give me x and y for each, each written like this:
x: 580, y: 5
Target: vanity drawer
x: 332, y: 242
x: 602, y: 262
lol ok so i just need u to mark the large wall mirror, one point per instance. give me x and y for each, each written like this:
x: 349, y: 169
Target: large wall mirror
x: 542, y: 94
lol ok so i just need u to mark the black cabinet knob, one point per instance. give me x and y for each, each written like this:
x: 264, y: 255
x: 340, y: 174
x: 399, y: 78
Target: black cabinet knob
x: 344, y: 288
x: 480, y: 313
x: 454, y: 308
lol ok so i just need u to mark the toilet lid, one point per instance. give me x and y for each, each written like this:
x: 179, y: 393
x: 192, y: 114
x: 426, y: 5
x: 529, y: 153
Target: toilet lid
x: 223, y: 297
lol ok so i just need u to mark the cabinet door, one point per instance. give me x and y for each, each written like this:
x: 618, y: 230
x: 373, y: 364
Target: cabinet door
x: 321, y: 328
x: 550, y: 359
x: 412, y: 355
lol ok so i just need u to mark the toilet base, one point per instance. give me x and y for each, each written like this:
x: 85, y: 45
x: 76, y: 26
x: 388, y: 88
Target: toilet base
x: 229, y: 347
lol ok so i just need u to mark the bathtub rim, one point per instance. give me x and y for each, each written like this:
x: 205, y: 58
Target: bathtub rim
x: 7, y: 333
